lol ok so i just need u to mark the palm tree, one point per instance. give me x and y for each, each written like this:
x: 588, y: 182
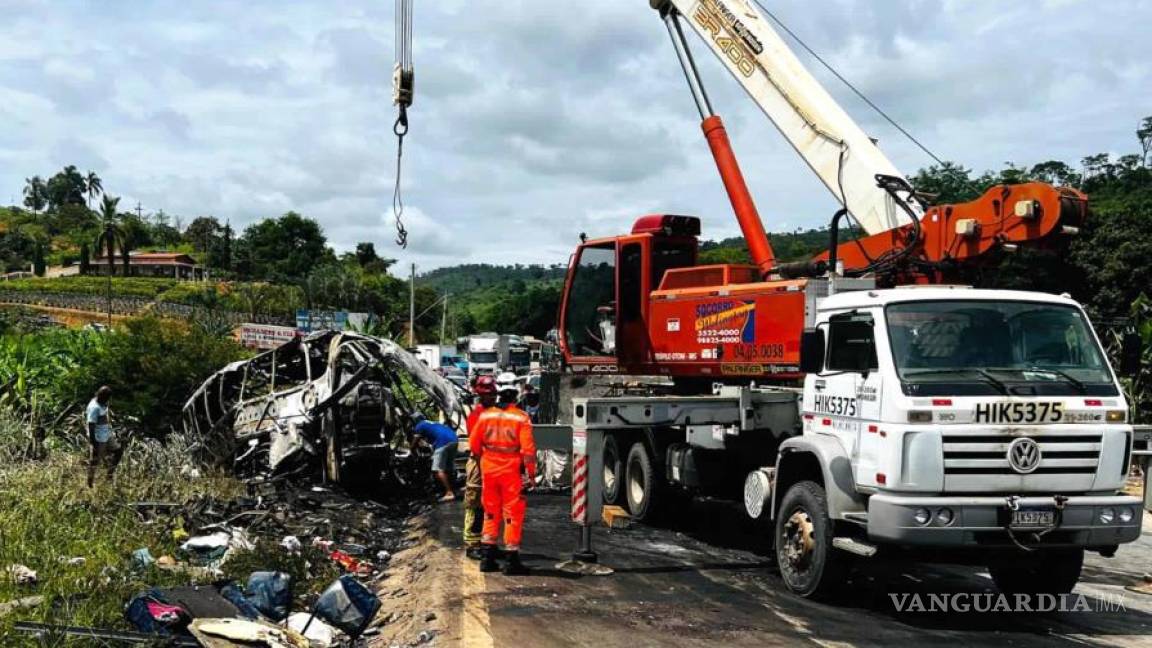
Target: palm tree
x: 93, y: 186
x: 35, y: 193
x: 111, y: 235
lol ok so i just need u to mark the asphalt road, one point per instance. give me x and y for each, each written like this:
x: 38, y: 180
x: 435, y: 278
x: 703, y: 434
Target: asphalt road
x: 708, y: 582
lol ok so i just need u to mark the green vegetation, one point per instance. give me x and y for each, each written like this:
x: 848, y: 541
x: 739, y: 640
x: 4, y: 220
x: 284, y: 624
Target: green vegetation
x: 47, y: 514
x: 788, y: 246
x: 279, y: 264
x: 49, y: 518
x: 483, y: 297
x: 151, y: 363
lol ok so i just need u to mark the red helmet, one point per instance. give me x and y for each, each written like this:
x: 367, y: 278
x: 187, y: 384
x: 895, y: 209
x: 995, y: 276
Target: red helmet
x: 484, y: 385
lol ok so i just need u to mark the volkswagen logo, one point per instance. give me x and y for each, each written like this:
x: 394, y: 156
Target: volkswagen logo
x: 1024, y: 455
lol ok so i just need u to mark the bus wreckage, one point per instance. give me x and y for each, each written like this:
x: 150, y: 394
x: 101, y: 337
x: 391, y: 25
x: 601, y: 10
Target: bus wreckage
x: 331, y: 401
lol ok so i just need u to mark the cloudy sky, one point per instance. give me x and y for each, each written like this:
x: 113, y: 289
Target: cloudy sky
x: 534, y: 121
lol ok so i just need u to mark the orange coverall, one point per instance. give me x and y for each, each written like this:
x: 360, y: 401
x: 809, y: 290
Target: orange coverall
x: 503, y: 442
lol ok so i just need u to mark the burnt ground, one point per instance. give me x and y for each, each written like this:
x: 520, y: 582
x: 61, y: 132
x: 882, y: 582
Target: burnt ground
x: 707, y: 582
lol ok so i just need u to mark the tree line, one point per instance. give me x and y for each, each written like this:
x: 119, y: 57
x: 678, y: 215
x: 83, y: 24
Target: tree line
x: 1107, y: 266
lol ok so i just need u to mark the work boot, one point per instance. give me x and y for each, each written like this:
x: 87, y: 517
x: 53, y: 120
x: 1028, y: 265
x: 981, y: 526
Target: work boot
x: 488, y: 562
x: 514, y: 567
x: 474, y: 553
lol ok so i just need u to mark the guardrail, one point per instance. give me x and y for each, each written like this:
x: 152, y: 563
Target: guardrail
x: 126, y: 305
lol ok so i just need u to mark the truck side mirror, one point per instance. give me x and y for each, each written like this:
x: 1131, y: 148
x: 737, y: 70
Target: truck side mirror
x: 1131, y: 354
x: 812, y: 350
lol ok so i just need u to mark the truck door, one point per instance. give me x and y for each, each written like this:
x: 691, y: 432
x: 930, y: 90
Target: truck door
x: 632, y: 336
x: 588, y: 315
x: 850, y: 396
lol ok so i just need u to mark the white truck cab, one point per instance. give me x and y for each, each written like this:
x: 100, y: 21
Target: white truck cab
x: 483, y: 354
x: 970, y: 419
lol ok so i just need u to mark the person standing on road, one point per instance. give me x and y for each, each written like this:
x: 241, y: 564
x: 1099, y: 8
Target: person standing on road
x: 529, y: 401
x: 443, y: 440
x: 503, y: 441
x: 106, y: 448
x: 485, y: 391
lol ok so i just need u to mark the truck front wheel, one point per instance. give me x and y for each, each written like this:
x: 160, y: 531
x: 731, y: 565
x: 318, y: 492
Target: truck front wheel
x: 1040, y: 572
x: 808, y: 563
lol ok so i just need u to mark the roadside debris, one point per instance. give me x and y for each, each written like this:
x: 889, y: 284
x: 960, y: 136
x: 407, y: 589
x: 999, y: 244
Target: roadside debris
x: 142, y: 558
x: 318, y: 633
x: 246, y: 633
x: 44, y: 631
x: 1143, y: 587
x: 20, y: 604
x: 22, y: 575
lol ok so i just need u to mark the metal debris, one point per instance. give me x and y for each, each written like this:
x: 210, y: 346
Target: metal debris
x: 338, y: 402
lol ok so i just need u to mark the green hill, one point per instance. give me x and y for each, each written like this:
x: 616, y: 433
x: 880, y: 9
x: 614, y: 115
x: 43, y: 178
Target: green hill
x: 524, y: 298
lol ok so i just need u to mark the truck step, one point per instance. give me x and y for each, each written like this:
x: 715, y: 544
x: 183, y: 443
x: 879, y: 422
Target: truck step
x: 854, y: 546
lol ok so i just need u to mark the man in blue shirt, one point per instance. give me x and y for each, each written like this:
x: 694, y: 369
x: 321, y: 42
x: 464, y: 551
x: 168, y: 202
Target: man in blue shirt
x: 443, y: 441
x: 105, y: 446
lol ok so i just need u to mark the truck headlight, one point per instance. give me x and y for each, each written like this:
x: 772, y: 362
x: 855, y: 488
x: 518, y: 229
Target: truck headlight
x: 1126, y: 515
x: 1107, y: 515
x: 945, y: 516
x: 922, y: 516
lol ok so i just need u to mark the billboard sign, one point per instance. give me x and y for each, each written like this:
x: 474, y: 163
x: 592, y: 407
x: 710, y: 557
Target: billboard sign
x: 308, y: 321
x: 265, y: 336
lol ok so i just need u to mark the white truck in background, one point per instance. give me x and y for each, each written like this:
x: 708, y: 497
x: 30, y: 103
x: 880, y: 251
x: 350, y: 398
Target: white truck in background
x: 514, y: 354
x: 430, y: 354
x: 483, y: 354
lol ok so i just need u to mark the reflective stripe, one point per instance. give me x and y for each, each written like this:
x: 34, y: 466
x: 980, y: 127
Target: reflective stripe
x: 502, y: 449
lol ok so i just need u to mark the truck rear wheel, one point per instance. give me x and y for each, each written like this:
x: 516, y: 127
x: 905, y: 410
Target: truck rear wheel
x: 1040, y: 572
x: 643, y: 484
x: 809, y: 564
x: 613, y: 480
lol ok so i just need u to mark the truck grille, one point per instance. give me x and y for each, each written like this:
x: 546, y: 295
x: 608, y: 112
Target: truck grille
x: 987, y: 454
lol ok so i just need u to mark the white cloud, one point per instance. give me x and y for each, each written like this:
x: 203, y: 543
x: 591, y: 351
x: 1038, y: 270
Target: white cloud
x: 532, y: 122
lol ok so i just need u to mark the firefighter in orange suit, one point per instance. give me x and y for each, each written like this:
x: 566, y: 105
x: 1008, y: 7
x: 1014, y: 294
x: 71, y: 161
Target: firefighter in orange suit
x: 484, y: 388
x: 503, y: 442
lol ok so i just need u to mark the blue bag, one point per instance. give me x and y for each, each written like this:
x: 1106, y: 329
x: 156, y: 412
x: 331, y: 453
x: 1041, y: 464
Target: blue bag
x: 347, y: 605
x: 271, y: 593
x: 247, y: 607
x: 151, y: 612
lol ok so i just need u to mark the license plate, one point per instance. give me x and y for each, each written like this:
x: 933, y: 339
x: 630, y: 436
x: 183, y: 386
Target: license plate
x: 1032, y: 518
x: 1021, y: 412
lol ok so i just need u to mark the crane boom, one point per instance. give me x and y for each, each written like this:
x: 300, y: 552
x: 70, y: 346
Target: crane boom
x: 845, y: 159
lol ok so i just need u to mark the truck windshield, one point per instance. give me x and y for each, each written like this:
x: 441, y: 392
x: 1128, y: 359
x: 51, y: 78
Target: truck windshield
x: 972, y: 347
x: 482, y: 357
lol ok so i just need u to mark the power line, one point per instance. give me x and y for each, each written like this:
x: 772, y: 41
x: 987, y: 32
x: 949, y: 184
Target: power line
x: 847, y: 83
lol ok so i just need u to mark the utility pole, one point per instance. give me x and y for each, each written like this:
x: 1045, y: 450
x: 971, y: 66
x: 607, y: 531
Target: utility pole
x: 412, y: 309
x: 139, y: 211
x: 443, y: 318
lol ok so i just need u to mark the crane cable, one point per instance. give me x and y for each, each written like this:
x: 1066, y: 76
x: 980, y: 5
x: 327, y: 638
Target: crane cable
x: 891, y: 256
x: 848, y: 84
x: 402, y: 89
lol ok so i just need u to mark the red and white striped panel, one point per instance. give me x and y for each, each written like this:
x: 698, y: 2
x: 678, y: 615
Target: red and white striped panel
x: 579, y: 478
x: 580, y: 489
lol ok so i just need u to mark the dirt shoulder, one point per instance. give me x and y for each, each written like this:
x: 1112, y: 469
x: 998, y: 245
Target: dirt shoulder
x: 432, y: 595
